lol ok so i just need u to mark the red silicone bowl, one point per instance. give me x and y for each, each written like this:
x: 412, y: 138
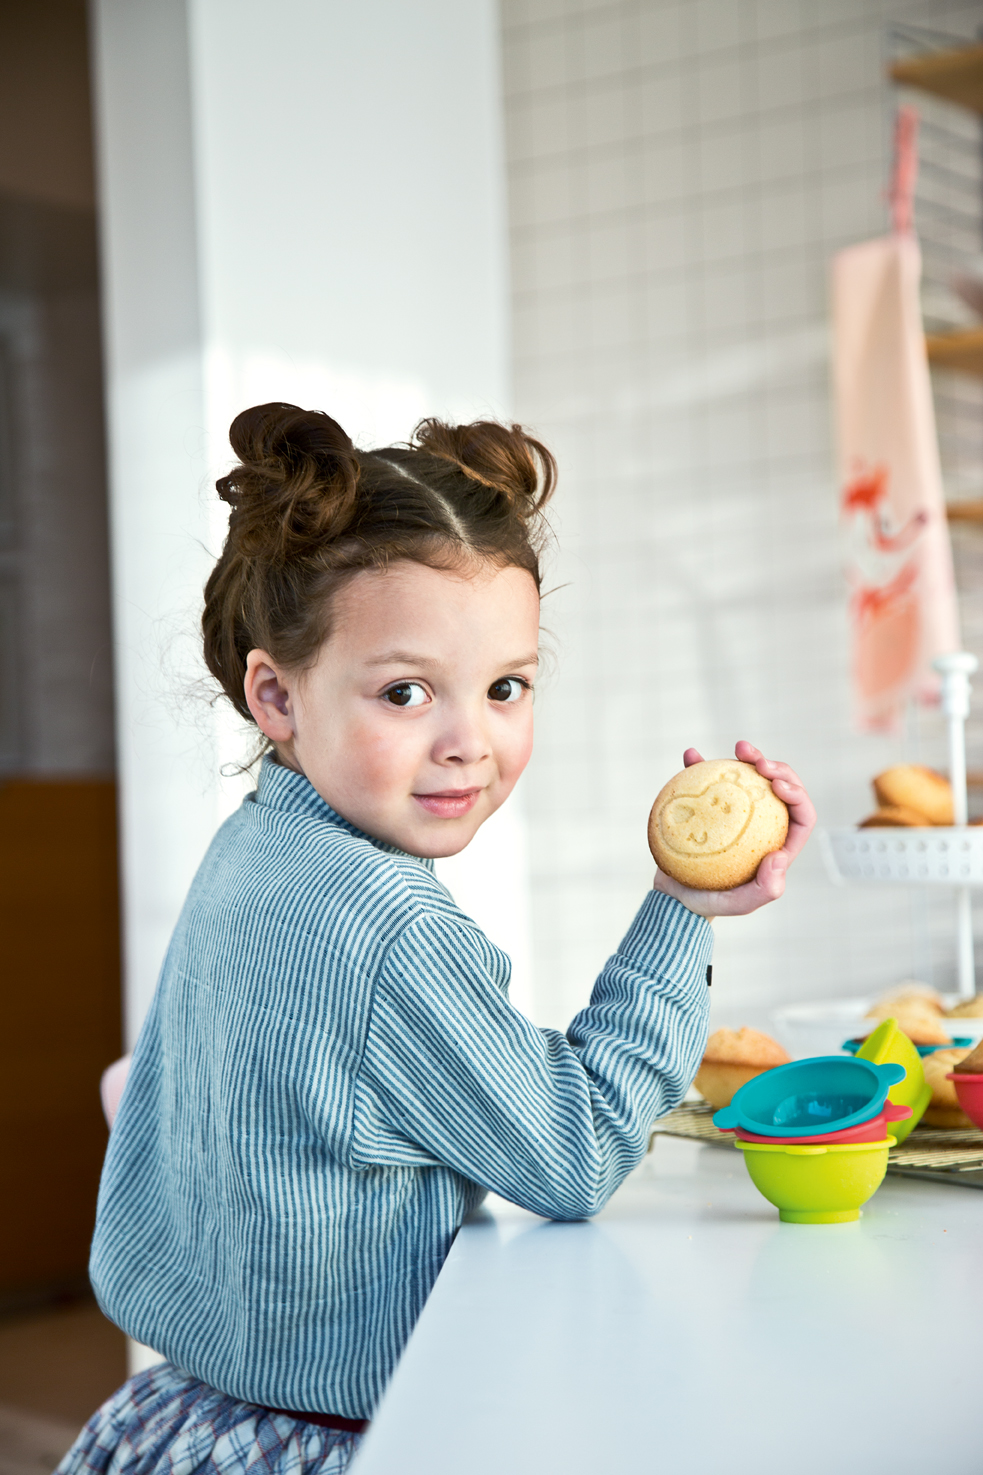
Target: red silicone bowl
x: 875, y: 1129
x: 969, y: 1094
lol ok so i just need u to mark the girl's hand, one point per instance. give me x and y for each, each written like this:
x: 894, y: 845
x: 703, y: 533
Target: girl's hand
x: 769, y: 883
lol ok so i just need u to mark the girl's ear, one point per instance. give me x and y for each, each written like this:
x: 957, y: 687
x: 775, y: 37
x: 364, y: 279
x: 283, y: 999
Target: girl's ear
x: 267, y: 691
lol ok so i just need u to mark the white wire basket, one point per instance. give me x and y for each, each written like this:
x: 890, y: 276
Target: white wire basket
x: 938, y: 856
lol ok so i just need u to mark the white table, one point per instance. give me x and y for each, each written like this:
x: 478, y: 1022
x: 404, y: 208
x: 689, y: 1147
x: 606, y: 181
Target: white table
x: 686, y: 1330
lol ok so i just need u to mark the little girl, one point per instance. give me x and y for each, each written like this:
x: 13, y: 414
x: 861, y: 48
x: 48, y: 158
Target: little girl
x: 331, y: 1075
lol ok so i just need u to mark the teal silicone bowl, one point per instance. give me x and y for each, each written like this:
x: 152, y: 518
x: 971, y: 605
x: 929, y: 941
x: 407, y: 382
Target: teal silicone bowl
x: 825, y: 1094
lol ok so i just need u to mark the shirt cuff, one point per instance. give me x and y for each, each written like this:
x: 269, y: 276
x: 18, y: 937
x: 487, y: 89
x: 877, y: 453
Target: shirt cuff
x: 668, y: 939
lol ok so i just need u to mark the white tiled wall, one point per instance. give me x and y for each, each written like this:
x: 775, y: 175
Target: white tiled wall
x: 680, y: 174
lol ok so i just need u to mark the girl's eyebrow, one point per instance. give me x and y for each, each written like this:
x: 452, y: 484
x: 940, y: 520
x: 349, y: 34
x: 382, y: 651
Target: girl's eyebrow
x: 394, y: 655
x: 402, y: 658
x: 412, y: 658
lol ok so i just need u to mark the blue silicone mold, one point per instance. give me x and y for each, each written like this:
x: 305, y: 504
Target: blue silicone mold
x: 823, y: 1094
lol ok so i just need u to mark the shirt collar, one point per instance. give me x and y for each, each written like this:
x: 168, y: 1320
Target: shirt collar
x: 282, y: 788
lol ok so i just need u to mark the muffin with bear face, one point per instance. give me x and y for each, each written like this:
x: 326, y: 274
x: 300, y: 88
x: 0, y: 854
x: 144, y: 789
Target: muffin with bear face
x: 713, y: 824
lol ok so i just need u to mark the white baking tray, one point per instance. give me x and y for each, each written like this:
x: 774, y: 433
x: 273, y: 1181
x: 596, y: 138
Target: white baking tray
x: 935, y: 856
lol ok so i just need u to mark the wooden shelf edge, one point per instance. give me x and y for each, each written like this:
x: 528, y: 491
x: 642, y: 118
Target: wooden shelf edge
x: 961, y: 351
x: 969, y: 511
x: 956, y: 75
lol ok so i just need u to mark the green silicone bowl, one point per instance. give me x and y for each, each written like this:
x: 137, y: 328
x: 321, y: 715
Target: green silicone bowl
x: 889, y: 1042
x: 817, y: 1185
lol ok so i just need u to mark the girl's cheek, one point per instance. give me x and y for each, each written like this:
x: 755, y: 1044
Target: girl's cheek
x: 381, y: 751
x: 519, y: 749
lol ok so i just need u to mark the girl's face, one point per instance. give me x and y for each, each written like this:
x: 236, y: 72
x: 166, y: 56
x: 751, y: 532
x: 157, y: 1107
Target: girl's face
x: 416, y: 720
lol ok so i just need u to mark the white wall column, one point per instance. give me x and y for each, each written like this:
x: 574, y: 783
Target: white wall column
x: 301, y: 200
x: 158, y: 521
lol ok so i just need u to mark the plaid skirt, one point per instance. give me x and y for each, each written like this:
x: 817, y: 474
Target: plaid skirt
x: 164, y: 1422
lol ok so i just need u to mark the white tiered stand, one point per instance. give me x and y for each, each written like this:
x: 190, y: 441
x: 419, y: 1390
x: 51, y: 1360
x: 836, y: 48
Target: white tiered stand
x: 934, y: 856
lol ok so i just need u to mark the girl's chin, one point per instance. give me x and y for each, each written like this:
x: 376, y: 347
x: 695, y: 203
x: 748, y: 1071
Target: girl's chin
x: 440, y: 840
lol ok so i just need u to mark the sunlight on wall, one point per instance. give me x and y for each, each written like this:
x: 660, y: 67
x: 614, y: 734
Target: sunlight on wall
x: 336, y: 246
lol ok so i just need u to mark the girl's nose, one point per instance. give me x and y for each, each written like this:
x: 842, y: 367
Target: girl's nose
x: 463, y: 740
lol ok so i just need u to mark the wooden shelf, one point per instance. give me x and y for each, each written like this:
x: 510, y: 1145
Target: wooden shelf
x: 962, y: 351
x: 968, y: 511
x: 955, y: 75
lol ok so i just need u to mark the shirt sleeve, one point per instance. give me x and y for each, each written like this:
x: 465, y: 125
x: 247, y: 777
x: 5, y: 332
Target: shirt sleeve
x: 453, y: 1075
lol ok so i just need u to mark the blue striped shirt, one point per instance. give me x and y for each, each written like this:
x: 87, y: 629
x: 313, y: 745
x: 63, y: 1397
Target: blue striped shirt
x: 330, y: 1077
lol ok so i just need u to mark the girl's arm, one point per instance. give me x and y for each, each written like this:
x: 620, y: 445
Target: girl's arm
x: 453, y: 1075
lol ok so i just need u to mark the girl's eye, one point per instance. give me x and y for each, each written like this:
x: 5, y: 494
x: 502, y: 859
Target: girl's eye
x: 407, y: 694
x: 509, y: 689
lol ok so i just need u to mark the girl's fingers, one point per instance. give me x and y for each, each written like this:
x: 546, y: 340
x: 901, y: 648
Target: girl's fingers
x: 767, y: 885
x: 789, y: 785
x: 777, y: 772
x: 799, y: 831
x: 792, y: 792
x: 770, y: 879
x: 769, y: 768
x: 691, y: 756
x: 801, y: 815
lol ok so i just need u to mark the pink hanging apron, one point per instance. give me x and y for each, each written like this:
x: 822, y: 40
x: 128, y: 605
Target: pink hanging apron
x: 899, y: 559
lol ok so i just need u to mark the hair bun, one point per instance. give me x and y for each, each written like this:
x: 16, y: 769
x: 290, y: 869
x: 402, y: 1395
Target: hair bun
x: 285, y: 432
x: 503, y: 457
x: 310, y: 512
x: 297, y: 478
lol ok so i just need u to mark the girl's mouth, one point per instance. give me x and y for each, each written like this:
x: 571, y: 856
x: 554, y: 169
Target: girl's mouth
x: 448, y: 803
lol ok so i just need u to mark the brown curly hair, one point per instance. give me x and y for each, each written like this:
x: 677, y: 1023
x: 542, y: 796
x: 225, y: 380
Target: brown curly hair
x: 309, y: 511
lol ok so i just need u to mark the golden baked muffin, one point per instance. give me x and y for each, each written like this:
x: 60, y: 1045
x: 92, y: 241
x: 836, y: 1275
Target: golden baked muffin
x: 922, y: 1024
x: 911, y: 786
x: 943, y: 1110
x: 913, y: 992
x: 893, y: 816
x: 971, y: 1064
x: 968, y: 1009
x: 713, y: 824
x: 731, y: 1059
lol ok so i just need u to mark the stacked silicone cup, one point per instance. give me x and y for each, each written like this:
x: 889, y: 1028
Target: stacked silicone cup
x: 889, y: 1042
x: 969, y: 1093
x: 875, y: 1129
x: 814, y: 1134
